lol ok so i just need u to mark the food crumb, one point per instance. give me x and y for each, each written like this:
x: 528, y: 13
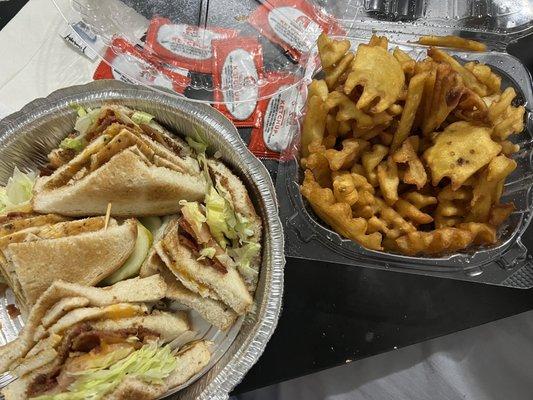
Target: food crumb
x: 13, y: 311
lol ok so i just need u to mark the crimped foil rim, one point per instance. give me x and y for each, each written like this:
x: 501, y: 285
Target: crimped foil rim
x: 254, y: 344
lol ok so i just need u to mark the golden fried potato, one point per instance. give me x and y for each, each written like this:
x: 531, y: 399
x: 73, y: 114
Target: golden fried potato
x: 337, y: 71
x: 412, y: 102
x: 415, y: 173
x: 485, y: 75
x: 314, y: 123
x: 488, y: 188
x: 380, y: 75
x: 388, y: 221
x: 443, y: 240
x: 483, y: 233
x: 411, y: 213
x: 509, y: 148
x: 387, y: 173
x: 505, y: 118
x: 445, y: 94
x: 318, y: 164
x: 365, y: 205
x: 345, y: 158
x: 452, y: 41
x: 452, y: 206
x: 419, y: 200
x: 371, y: 159
x: 379, y: 41
x: 500, y: 212
x: 407, y: 63
x: 331, y: 51
x: 344, y: 188
x: 469, y: 78
x: 338, y: 215
x: 459, y: 151
x: 347, y: 110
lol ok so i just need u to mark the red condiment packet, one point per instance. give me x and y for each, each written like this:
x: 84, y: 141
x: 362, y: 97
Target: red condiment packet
x: 279, y: 117
x: 237, y: 72
x: 183, y: 45
x: 124, y: 60
x: 293, y: 24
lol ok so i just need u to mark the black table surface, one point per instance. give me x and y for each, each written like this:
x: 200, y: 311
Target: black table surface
x: 334, y: 314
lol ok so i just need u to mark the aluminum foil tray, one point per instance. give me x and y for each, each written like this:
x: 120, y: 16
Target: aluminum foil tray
x: 28, y: 135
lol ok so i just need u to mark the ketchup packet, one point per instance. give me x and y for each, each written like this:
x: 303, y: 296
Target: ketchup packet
x: 279, y: 114
x: 183, y: 45
x: 237, y: 71
x: 127, y: 63
x: 293, y: 24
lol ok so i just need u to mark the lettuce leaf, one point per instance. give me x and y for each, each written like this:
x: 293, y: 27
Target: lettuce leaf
x: 208, y: 252
x: 77, y: 144
x: 219, y: 217
x: 197, y: 143
x: 151, y: 363
x: 141, y: 117
x: 193, y: 214
x: 243, y: 257
x: 18, y: 191
x: 85, y: 121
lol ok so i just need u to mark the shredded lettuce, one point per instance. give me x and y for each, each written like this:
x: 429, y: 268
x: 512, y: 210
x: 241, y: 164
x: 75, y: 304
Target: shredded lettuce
x: 18, y: 191
x: 150, y: 363
x: 220, y: 217
x: 208, y: 252
x: 79, y: 109
x: 243, y: 257
x: 85, y: 121
x: 197, y: 143
x: 193, y: 214
x: 141, y: 117
x: 77, y: 144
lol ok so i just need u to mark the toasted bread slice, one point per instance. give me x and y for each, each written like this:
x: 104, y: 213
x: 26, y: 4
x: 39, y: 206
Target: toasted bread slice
x: 228, y: 287
x: 84, y: 258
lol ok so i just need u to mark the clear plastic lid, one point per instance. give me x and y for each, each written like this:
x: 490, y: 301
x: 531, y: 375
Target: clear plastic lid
x: 231, y: 52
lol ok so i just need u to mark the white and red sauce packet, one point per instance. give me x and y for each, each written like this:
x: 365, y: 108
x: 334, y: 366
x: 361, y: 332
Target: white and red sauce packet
x: 130, y: 64
x: 237, y: 76
x: 293, y: 24
x: 183, y: 45
x: 279, y: 116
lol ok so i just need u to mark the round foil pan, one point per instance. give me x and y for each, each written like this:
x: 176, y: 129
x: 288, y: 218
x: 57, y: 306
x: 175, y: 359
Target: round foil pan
x: 27, y: 136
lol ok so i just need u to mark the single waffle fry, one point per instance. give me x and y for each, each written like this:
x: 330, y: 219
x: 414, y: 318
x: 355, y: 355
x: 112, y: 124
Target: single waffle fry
x: 452, y: 41
x: 483, y: 233
x: 337, y: 71
x: 459, y: 151
x: 407, y: 63
x: 318, y: 164
x: 371, y: 159
x: 500, y: 212
x: 509, y: 147
x: 505, y: 118
x: 379, y: 41
x: 419, y: 200
x: 338, y: 215
x: 488, y: 188
x: 452, y: 206
x: 347, y: 110
x: 387, y: 174
x: 469, y: 78
x: 364, y: 206
x: 443, y: 240
x: 415, y: 173
x: 412, y: 102
x: 472, y: 107
x: 359, y: 170
x: 411, y: 213
x: 395, y: 223
x: 344, y: 188
x: 318, y: 87
x: 485, y: 75
x: 445, y: 96
x: 314, y: 123
x: 380, y: 75
x: 345, y: 158
x: 331, y: 51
